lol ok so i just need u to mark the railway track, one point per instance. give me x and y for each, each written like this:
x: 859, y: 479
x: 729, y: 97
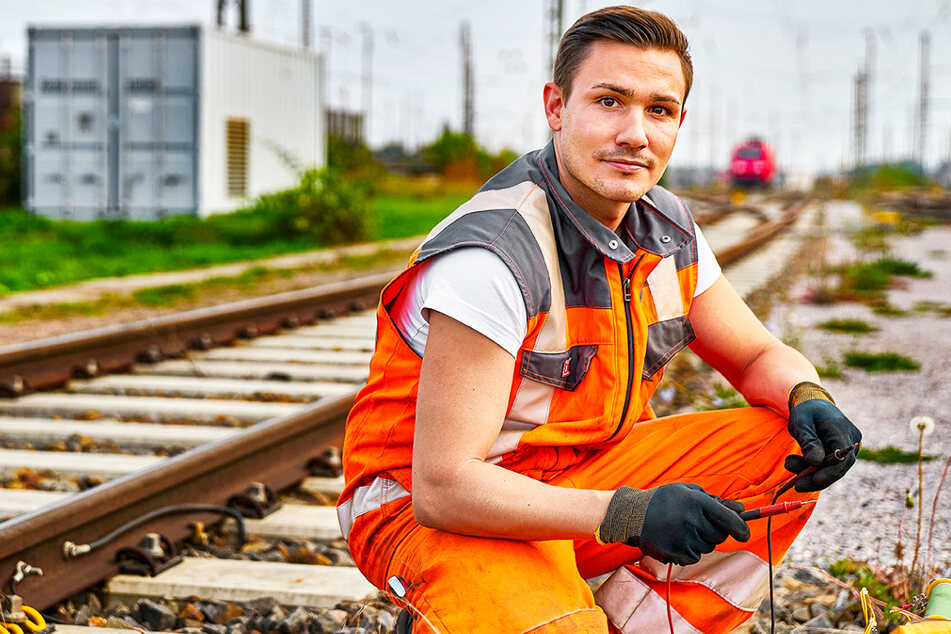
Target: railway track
x: 144, y: 433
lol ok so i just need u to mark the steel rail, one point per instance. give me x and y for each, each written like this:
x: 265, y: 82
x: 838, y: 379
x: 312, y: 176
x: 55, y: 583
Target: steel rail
x: 32, y: 365
x: 763, y: 233
x: 274, y: 452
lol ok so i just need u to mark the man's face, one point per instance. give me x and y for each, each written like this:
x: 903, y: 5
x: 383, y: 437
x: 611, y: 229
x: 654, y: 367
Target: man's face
x: 614, y: 134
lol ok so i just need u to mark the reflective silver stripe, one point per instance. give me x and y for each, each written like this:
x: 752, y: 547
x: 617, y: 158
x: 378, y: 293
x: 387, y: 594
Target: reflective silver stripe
x: 740, y: 578
x: 533, y: 400
x: 632, y: 606
x: 507, y: 439
x: 368, y: 498
x: 508, y: 198
x: 665, y: 289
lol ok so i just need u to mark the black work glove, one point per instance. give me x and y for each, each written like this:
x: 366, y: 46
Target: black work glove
x: 673, y: 523
x: 820, y: 428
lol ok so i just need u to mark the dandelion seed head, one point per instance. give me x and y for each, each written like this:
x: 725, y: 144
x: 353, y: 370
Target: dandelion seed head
x: 923, y: 425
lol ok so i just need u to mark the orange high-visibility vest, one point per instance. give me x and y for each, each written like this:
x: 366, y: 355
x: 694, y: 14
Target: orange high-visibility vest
x: 606, y: 311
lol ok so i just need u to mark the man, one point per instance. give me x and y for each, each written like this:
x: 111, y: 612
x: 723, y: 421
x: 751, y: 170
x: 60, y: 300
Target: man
x: 504, y: 450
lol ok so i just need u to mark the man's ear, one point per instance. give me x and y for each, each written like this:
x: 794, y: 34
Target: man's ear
x: 554, y: 102
x: 683, y: 113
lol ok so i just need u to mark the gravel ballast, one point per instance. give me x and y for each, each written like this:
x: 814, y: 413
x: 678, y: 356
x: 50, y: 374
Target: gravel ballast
x: 860, y: 517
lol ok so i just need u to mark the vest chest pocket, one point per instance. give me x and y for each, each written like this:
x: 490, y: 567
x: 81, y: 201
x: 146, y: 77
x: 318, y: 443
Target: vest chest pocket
x: 664, y: 340
x: 563, y: 370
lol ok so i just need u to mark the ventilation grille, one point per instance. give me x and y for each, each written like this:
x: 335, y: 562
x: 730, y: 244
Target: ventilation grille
x: 237, y: 159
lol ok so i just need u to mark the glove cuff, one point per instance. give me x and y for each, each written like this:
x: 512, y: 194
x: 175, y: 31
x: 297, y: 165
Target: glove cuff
x: 625, y: 517
x: 806, y: 391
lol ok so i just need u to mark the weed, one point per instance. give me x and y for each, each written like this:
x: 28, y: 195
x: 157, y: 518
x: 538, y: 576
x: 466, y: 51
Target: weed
x: 723, y: 398
x: 886, y: 309
x: 324, y: 209
x: 894, y: 586
x: 897, y: 266
x: 164, y: 295
x: 867, y: 280
x: 872, y: 239
x: 848, y: 326
x: 883, y: 362
x: 829, y: 371
x: 891, y: 455
x: 930, y: 306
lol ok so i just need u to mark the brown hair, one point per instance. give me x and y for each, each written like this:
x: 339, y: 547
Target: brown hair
x: 627, y: 25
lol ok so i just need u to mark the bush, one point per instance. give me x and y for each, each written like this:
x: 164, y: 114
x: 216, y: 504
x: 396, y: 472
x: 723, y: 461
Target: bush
x: 890, y: 176
x: 10, y: 157
x: 459, y: 157
x: 325, y: 207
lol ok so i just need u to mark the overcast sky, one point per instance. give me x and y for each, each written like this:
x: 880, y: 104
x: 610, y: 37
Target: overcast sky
x: 779, y: 69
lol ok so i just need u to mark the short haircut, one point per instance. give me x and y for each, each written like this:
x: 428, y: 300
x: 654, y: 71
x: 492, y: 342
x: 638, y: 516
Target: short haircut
x: 627, y: 25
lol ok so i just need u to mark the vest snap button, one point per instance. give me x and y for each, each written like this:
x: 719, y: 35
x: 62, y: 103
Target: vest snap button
x: 665, y: 239
x: 613, y: 244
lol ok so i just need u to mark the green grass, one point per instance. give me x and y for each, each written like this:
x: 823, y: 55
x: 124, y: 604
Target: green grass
x: 929, y: 306
x: 723, y: 398
x: 400, y: 217
x: 856, y: 326
x: 164, y: 295
x: 829, y: 371
x: 886, y: 309
x: 866, y: 279
x: 892, y: 455
x: 36, y: 252
x: 177, y: 294
x: 884, y: 362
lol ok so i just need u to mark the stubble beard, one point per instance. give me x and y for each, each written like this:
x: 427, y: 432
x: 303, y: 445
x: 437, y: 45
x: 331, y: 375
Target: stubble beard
x: 621, y: 189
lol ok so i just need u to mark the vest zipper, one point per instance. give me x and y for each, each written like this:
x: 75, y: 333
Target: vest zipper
x: 628, y: 297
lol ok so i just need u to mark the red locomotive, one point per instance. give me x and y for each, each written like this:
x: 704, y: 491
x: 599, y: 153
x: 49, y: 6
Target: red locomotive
x: 752, y: 165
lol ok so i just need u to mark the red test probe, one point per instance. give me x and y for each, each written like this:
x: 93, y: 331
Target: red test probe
x: 773, y: 509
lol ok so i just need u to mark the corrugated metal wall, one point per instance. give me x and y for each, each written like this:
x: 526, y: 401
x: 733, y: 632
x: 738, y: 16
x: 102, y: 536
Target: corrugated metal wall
x: 112, y: 122
x: 133, y: 122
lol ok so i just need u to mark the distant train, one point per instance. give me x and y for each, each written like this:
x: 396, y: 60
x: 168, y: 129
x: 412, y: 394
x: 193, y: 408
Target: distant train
x: 752, y: 165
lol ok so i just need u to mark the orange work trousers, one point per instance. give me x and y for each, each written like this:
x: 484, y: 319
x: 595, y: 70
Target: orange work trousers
x: 459, y: 584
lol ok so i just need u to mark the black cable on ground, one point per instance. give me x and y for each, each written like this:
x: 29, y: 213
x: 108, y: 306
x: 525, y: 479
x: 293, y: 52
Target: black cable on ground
x: 83, y: 549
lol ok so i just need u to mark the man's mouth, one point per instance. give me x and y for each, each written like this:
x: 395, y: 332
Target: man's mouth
x: 626, y: 163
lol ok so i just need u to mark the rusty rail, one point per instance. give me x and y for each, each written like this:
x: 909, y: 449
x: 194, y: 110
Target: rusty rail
x: 44, y: 363
x: 762, y: 234
x: 275, y: 453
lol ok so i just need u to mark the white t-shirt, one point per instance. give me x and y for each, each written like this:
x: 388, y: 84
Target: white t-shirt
x: 475, y: 287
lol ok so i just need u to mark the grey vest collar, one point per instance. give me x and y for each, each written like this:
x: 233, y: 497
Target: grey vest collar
x: 649, y: 223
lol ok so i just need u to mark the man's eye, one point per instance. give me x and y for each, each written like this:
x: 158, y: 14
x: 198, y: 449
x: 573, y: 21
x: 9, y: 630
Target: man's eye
x: 659, y: 110
x: 609, y: 102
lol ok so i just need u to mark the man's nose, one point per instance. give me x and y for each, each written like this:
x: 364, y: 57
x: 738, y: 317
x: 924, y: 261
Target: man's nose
x: 633, y: 132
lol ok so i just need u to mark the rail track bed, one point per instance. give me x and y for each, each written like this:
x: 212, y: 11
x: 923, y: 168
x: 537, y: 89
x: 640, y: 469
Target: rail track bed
x: 122, y: 445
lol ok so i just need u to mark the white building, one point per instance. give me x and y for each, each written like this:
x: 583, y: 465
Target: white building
x: 146, y: 122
